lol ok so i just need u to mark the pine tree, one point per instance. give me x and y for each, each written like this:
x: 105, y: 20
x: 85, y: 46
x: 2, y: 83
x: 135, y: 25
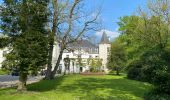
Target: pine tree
x: 23, y: 21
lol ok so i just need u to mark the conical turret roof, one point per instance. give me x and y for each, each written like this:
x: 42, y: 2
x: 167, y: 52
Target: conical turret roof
x: 104, y: 39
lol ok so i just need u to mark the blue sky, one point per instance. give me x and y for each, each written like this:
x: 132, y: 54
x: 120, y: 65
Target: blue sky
x: 112, y: 10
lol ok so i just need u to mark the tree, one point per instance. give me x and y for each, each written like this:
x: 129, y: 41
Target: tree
x: 92, y: 65
x: 99, y: 63
x: 117, y: 57
x: 24, y: 23
x: 69, y: 24
x: 146, y: 41
x: 51, y: 39
x: 4, y: 41
x: 95, y: 64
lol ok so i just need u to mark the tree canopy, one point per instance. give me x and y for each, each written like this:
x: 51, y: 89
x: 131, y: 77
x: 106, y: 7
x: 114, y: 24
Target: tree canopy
x: 24, y: 23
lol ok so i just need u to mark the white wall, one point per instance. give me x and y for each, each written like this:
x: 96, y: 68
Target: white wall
x: 103, y: 54
x: 1, y: 56
x: 76, y: 68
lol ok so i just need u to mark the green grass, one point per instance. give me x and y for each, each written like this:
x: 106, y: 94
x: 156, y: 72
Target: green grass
x: 77, y: 87
x: 2, y: 72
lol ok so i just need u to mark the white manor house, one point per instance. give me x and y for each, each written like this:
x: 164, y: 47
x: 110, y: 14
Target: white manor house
x: 83, y: 49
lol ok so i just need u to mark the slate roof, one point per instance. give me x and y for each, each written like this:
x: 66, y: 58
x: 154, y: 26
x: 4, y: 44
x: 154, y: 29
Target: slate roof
x: 104, y: 39
x: 85, y: 45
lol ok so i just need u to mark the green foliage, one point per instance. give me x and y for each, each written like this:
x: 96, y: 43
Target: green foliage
x: 95, y: 64
x: 135, y: 70
x: 146, y: 41
x: 4, y: 41
x: 155, y: 95
x: 79, y: 61
x: 153, y: 67
x: 117, y: 58
x: 24, y: 23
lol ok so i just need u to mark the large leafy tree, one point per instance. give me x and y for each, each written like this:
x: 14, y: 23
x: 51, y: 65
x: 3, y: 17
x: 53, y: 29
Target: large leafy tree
x: 69, y: 23
x: 117, y: 58
x: 146, y: 40
x: 23, y: 21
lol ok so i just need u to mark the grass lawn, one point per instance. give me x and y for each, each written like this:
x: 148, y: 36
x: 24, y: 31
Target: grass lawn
x: 77, y: 87
x: 2, y: 72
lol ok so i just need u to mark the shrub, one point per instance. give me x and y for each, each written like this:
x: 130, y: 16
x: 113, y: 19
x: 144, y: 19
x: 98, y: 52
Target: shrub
x: 153, y: 67
x: 135, y: 70
x: 162, y: 82
x: 155, y: 95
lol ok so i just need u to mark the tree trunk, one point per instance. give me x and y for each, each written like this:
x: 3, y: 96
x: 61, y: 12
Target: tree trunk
x: 64, y: 70
x: 73, y: 68
x: 117, y: 71
x: 49, y: 66
x: 22, y: 82
x: 57, y: 64
x: 51, y: 44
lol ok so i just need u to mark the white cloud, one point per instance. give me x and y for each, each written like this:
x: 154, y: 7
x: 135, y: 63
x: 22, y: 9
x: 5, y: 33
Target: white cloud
x: 110, y: 34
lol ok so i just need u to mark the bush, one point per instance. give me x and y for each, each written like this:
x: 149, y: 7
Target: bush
x: 135, y: 70
x: 91, y: 69
x: 162, y: 82
x: 155, y: 95
x: 153, y: 67
x: 157, y: 70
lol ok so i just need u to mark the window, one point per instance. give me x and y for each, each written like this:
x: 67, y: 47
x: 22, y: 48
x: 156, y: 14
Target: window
x: 90, y: 50
x: 108, y: 49
x: 67, y: 56
x: 96, y: 50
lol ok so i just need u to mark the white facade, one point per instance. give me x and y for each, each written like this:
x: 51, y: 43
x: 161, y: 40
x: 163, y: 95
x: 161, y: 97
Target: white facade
x: 101, y: 51
x: 2, y: 53
x: 104, y: 50
x: 74, y: 67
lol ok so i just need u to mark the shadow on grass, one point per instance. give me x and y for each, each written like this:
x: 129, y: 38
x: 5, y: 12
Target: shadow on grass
x: 106, y: 87
x: 45, y: 85
x: 93, y: 87
x: 111, y: 86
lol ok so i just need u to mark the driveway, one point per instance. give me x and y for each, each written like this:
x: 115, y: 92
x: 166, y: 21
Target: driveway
x: 7, y: 78
x: 11, y: 81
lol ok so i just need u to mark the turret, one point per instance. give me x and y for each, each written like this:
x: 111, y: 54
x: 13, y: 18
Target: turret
x: 104, y: 50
